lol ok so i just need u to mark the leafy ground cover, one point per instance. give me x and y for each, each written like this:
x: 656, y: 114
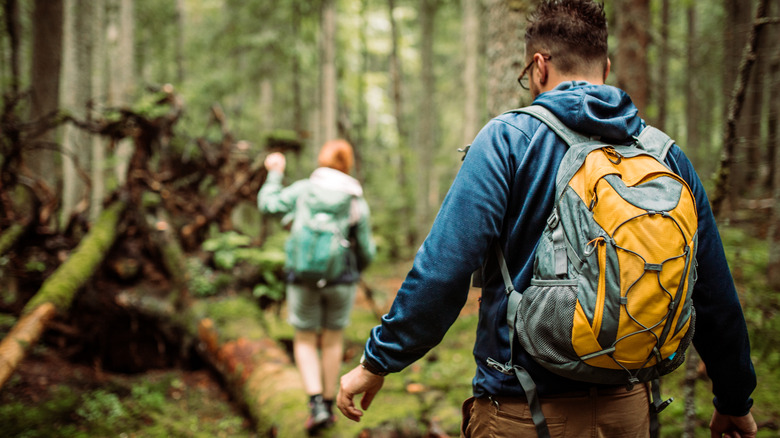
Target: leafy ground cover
x: 49, y: 397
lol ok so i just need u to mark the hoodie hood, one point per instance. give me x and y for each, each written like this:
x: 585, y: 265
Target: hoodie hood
x: 334, y: 190
x: 332, y: 179
x: 594, y: 110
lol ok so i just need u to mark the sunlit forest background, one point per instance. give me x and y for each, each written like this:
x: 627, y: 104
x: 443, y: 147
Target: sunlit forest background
x: 141, y: 292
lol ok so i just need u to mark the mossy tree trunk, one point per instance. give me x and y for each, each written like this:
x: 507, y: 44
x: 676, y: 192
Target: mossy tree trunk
x: 259, y: 374
x: 230, y: 334
x: 57, y: 292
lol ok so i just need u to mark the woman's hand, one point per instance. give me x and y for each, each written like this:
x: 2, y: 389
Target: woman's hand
x: 275, y: 162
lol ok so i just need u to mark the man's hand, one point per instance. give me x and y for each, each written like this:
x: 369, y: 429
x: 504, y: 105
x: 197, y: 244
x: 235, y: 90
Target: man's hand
x: 357, y: 381
x: 275, y: 162
x: 732, y: 427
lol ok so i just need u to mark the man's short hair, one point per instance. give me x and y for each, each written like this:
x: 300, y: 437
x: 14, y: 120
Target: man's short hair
x: 572, y: 32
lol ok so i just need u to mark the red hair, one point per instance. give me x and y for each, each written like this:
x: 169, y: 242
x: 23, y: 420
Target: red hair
x: 337, y: 154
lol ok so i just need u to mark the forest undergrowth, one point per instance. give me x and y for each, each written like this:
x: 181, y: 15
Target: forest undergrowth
x: 50, y: 396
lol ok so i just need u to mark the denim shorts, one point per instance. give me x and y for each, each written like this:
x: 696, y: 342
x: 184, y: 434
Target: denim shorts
x: 313, y: 308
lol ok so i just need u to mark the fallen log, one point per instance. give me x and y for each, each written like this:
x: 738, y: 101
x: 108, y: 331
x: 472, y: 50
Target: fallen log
x: 260, y: 375
x: 229, y: 333
x: 57, y: 292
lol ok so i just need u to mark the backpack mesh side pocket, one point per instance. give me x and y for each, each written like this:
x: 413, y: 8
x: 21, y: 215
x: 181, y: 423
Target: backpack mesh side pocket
x: 544, y: 321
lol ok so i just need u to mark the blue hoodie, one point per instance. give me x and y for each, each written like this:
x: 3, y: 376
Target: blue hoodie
x: 504, y: 193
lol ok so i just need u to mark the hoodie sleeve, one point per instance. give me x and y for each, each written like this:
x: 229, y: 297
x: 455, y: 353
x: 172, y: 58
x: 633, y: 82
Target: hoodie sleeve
x: 436, y: 288
x: 273, y: 198
x: 721, y: 336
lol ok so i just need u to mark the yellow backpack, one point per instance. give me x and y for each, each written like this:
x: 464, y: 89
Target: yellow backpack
x: 610, y: 299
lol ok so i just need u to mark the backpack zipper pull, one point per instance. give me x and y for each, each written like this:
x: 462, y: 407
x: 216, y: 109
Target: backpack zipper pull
x: 593, y: 244
x: 610, y: 152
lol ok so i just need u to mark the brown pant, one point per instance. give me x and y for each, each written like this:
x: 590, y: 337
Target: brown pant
x: 609, y: 413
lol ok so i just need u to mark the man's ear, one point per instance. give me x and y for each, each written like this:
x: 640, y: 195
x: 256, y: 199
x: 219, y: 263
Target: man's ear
x: 606, y: 70
x: 541, y: 66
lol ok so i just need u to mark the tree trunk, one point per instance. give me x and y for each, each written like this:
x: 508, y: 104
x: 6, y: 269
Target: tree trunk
x: 663, y: 67
x: 13, y: 27
x: 25, y: 333
x: 406, y: 228
x: 122, y: 75
x: 505, y: 42
x: 76, y: 88
x: 722, y: 188
x: 45, y: 77
x: 266, y: 104
x: 362, y: 107
x: 692, y: 116
x: 771, y: 117
x: 180, y: 20
x: 426, y: 146
x: 99, y: 91
x: 471, y: 32
x: 737, y: 27
x: 298, y: 116
x: 773, y: 266
x: 57, y: 292
x: 631, y: 60
x: 328, y: 85
x: 754, y: 163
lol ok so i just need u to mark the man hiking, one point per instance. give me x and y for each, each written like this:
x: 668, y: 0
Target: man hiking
x: 503, y: 196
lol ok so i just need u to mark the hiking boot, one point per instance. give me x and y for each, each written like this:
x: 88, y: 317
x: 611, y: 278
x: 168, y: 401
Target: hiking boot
x: 319, y: 417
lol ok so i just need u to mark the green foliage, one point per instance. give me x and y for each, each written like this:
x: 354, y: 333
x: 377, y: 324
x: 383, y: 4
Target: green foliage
x: 152, y: 405
x: 748, y: 258
x: 34, y: 266
x: 204, y: 281
x: 281, y: 135
x: 229, y: 250
x: 147, y: 399
x: 47, y: 419
x: 273, y: 288
x: 224, y: 247
x: 102, y: 406
x: 152, y: 105
x: 6, y: 322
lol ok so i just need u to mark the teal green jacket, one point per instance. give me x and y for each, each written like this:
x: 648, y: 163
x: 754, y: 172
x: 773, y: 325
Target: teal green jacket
x: 331, y: 187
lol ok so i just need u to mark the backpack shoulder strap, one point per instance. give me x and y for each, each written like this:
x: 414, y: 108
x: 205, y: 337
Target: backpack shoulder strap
x: 524, y: 378
x: 548, y: 118
x: 655, y: 142
x: 579, y: 145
